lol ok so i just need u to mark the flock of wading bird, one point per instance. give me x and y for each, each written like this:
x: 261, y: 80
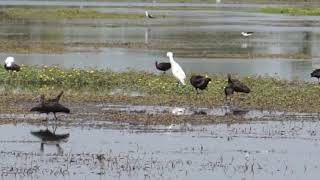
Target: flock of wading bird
x: 197, y: 81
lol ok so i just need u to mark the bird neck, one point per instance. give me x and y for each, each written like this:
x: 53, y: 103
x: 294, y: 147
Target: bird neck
x: 229, y: 79
x: 172, y: 60
x: 147, y: 13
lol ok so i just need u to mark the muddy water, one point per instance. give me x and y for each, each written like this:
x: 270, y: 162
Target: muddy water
x: 257, y: 150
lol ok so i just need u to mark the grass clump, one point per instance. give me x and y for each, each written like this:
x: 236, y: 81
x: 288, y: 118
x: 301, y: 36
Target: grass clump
x: 292, y: 11
x: 63, y: 13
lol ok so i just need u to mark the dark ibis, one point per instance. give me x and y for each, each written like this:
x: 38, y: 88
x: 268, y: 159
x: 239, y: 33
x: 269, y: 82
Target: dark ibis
x: 199, y: 82
x: 228, y: 91
x: 163, y: 66
x: 50, y: 106
x: 237, y: 86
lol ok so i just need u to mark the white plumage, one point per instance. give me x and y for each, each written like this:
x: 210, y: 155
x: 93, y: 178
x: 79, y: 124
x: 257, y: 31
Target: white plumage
x: 9, y: 61
x: 149, y: 15
x: 176, y: 69
x: 246, y: 34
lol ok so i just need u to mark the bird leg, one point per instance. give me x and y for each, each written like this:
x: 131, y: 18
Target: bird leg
x: 41, y: 146
x: 55, y: 117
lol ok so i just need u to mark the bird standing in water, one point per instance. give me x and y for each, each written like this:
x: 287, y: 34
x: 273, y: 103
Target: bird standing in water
x: 246, y: 34
x: 49, y: 106
x: 149, y: 15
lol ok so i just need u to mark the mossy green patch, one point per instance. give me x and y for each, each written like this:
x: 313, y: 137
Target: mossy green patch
x: 98, y: 85
x: 63, y: 13
x: 292, y: 11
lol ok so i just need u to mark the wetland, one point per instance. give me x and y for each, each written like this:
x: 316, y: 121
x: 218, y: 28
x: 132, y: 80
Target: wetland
x: 129, y: 121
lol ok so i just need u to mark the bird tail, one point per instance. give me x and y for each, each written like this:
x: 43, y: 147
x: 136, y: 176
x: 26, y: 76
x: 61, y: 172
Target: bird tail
x: 183, y: 82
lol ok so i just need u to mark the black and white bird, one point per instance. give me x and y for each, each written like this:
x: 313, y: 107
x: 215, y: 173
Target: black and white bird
x: 246, y: 34
x: 50, y: 106
x: 163, y: 66
x: 199, y: 82
x: 149, y: 15
x: 9, y: 64
x: 316, y: 74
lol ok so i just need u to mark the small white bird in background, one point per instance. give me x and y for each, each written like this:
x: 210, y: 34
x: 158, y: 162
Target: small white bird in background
x: 9, y: 64
x: 149, y: 15
x: 246, y: 34
x: 176, y: 69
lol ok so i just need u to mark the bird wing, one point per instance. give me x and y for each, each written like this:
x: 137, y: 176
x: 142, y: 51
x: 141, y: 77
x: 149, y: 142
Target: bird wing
x: 15, y: 67
x: 240, y: 87
x: 179, y: 73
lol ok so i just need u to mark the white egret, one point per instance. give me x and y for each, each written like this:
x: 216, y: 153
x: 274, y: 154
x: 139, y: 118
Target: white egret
x: 176, y: 69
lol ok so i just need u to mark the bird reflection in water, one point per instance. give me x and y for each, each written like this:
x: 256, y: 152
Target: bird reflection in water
x: 51, y: 138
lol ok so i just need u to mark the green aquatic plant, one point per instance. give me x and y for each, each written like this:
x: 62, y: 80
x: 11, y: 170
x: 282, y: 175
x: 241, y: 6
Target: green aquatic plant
x: 292, y: 11
x: 98, y: 85
x: 63, y: 13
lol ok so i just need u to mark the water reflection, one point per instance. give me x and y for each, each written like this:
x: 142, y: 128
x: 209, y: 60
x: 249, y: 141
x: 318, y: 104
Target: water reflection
x: 50, y: 137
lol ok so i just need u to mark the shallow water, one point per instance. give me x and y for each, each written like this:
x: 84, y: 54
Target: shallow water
x: 257, y: 150
x: 190, y: 33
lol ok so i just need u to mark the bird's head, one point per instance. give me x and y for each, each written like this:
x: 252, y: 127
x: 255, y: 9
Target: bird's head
x: 9, y: 60
x: 169, y: 54
x: 40, y: 99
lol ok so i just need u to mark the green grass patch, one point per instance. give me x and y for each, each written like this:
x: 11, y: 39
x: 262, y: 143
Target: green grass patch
x: 98, y: 85
x: 63, y: 13
x: 292, y: 11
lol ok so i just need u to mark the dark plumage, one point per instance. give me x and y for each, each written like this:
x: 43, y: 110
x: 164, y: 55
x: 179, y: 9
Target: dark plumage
x: 50, y: 106
x: 163, y: 66
x: 228, y: 91
x: 57, y: 98
x: 199, y: 82
x: 237, y: 86
x: 316, y: 74
x: 149, y: 15
x: 13, y: 67
x: 47, y: 135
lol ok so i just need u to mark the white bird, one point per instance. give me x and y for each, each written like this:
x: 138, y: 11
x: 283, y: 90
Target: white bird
x: 246, y: 34
x: 176, y: 69
x: 9, y: 64
x: 149, y: 15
